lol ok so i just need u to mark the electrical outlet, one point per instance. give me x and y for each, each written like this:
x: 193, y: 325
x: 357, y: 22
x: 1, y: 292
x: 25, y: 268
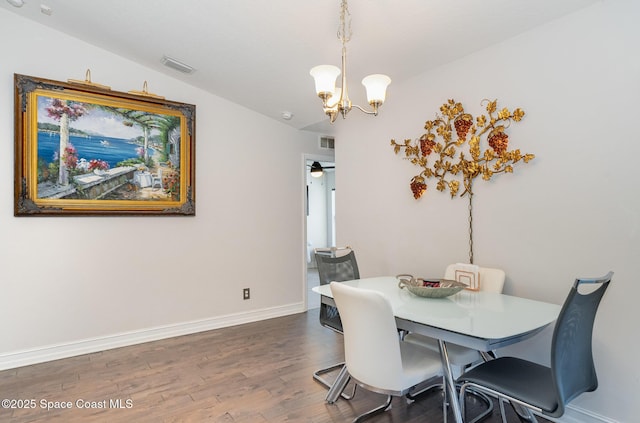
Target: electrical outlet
x: 246, y: 294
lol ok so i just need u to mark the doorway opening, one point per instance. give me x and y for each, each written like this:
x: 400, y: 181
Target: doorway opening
x: 319, y: 220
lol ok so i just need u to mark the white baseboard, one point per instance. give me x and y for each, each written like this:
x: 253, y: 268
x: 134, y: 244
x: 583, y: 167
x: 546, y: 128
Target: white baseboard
x: 574, y: 414
x: 55, y: 352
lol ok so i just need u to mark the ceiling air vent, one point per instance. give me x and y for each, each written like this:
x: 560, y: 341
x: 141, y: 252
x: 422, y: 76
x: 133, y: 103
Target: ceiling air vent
x: 174, y: 64
x: 328, y: 143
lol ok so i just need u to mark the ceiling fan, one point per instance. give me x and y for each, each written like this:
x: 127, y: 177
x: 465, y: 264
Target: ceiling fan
x: 317, y: 169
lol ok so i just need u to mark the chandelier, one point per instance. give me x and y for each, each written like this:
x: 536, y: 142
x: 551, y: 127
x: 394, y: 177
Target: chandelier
x: 336, y: 100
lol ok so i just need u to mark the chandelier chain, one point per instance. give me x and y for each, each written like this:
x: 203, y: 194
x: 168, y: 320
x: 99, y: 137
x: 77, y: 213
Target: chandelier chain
x: 344, y: 30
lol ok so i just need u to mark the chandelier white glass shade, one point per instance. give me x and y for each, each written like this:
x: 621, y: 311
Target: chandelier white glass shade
x: 325, y: 77
x: 376, y: 86
x: 336, y: 100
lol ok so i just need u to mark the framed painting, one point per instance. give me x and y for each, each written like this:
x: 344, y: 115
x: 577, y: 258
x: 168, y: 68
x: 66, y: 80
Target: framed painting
x: 83, y: 149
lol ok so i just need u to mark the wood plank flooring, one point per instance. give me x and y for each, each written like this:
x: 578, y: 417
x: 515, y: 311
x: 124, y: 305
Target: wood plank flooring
x: 252, y: 373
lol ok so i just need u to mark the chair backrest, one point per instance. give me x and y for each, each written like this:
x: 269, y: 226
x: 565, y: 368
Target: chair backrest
x: 338, y: 269
x: 491, y: 280
x: 371, y: 343
x: 571, y: 346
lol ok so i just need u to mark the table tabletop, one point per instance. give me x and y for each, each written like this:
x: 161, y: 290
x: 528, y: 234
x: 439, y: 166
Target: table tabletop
x: 143, y: 179
x: 481, y: 320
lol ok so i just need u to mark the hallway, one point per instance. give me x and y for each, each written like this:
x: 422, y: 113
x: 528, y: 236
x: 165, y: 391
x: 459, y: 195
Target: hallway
x: 313, y: 299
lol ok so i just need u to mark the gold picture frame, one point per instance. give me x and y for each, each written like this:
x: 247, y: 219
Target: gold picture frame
x: 83, y: 149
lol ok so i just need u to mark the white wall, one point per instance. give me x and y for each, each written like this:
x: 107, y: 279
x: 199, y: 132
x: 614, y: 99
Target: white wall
x: 574, y: 211
x: 72, y: 285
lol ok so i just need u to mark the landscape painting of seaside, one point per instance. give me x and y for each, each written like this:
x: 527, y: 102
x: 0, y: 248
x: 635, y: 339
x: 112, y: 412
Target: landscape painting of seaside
x: 85, y: 151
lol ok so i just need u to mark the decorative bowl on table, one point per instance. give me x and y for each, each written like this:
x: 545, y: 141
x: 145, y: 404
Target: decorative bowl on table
x: 430, y: 288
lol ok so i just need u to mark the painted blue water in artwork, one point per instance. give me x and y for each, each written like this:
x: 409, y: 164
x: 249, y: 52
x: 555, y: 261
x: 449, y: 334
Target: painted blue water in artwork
x: 111, y: 150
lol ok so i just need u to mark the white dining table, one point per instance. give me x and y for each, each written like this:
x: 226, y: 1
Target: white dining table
x: 480, y: 320
x: 142, y: 179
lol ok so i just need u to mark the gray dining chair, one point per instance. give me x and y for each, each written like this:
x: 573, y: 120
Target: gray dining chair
x: 376, y: 358
x: 337, y: 264
x: 547, y: 390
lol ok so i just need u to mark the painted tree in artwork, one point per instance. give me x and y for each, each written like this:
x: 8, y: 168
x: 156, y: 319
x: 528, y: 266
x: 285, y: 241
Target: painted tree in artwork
x: 65, y: 111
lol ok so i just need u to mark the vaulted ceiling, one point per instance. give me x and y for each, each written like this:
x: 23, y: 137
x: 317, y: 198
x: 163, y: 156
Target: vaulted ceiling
x: 258, y: 53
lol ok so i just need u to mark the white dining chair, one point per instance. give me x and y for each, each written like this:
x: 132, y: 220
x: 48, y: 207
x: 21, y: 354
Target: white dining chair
x: 462, y: 358
x: 375, y: 357
x: 491, y: 280
x: 156, y: 181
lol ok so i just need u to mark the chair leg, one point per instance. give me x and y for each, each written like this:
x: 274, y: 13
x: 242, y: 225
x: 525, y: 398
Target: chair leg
x: 317, y: 374
x: 502, y: 413
x: 486, y: 400
x: 414, y: 395
x: 524, y: 413
x: 317, y: 377
x: 483, y: 397
x: 377, y: 410
x: 339, y: 385
x: 480, y: 395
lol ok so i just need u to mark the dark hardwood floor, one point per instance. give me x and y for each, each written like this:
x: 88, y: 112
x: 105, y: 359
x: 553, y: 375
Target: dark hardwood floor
x: 253, y: 373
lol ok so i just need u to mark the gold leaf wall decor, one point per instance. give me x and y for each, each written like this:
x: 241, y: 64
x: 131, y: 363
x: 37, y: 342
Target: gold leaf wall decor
x: 456, y: 148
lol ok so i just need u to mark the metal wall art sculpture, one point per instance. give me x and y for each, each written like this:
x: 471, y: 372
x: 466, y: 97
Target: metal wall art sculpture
x: 457, y: 148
